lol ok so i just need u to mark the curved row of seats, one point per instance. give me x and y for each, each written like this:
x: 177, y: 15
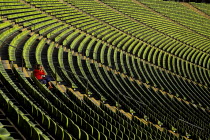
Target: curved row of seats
x: 143, y: 85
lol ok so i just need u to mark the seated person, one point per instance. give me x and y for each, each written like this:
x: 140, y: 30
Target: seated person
x: 41, y: 76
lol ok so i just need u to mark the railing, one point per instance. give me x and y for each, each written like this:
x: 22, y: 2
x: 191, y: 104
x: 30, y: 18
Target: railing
x: 191, y: 124
x: 134, y: 100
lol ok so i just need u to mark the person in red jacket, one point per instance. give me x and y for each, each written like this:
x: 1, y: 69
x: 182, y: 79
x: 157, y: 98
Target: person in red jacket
x: 39, y: 73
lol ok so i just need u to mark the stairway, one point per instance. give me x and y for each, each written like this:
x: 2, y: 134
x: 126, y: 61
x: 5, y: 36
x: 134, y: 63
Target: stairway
x: 195, y: 9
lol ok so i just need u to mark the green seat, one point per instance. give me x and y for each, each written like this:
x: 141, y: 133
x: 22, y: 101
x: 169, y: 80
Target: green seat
x: 1, y: 125
x: 67, y: 136
x: 84, y: 135
x: 44, y: 137
x: 79, y: 121
x: 89, y: 128
x: 6, y: 138
x: 65, y: 121
x: 46, y: 121
x: 4, y: 132
x: 91, y: 138
x: 30, y: 129
x: 103, y: 137
x: 75, y: 129
x: 96, y: 133
x: 36, y: 132
x: 53, y: 127
x: 60, y: 133
x: 59, y: 115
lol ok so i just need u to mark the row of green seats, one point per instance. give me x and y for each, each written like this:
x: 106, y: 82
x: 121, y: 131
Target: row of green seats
x: 163, y: 25
x: 50, y: 28
x: 38, y: 52
x: 62, y: 59
x: 63, y: 36
x: 128, y: 88
x: 156, y: 56
x: 26, y: 50
x: 8, y: 129
x: 202, y: 61
x: 14, y: 11
x: 137, y: 71
x: 55, y: 129
x: 7, y: 33
x: 15, y: 44
x: 115, y: 119
x: 72, y: 116
x: 111, y: 38
x: 5, y: 25
x: 175, y: 11
x: 202, y: 6
x: 32, y: 18
x: 22, y: 17
x: 71, y: 37
x: 53, y: 33
x: 27, y: 125
x: 50, y: 58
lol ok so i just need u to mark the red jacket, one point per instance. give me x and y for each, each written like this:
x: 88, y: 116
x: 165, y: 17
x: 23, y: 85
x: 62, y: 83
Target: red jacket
x: 38, y: 73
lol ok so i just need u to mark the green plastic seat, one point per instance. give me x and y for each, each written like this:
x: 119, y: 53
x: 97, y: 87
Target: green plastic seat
x: 4, y: 132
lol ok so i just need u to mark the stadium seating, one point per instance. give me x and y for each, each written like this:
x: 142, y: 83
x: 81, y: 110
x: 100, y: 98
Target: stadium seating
x: 201, y: 6
x: 121, y: 69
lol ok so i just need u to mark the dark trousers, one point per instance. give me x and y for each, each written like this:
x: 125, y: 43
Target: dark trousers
x: 45, y: 79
